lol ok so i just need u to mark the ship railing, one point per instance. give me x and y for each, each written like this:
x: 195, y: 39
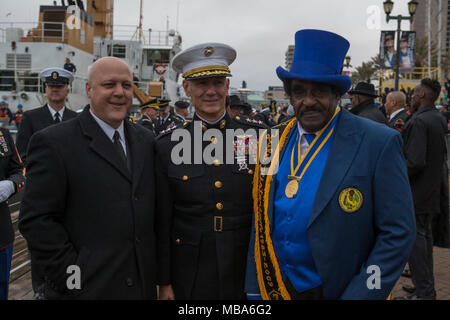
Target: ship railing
x: 34, y: 31
x: 147, y: 36
x: 30, y: 81
x: 57, y: 32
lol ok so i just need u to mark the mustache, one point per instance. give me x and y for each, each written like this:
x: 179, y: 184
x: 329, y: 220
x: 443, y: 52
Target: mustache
x: 314, y: 108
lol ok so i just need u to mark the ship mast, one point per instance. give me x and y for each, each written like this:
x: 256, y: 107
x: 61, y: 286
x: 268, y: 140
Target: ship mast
x: 139, y: 32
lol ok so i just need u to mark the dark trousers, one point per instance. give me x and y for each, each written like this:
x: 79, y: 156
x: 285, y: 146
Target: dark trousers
x: 311, y: 294
x: 5, y: 268
x: 421, y: 258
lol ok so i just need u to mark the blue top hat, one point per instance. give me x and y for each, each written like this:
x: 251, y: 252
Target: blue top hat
x: 318, y: 57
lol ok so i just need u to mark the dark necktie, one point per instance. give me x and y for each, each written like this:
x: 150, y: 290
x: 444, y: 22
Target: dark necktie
x: 310, y: 137
x: 57, y: 120
x: 119, y: 147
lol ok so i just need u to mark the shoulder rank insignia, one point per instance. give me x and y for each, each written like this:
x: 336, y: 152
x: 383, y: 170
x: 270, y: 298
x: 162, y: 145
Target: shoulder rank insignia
x: 350, y: 200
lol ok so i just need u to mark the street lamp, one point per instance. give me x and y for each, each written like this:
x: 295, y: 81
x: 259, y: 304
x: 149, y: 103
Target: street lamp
x: 388, y: 5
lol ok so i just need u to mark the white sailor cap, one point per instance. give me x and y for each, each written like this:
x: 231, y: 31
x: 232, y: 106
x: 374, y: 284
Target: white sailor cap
x: 204, y: 60
x: 56, y: 76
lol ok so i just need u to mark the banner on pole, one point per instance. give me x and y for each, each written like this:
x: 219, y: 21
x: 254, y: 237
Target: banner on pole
x: 387, y: 49
x: 407, y: 43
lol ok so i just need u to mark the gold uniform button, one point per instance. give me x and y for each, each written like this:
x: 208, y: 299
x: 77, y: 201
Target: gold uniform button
x: 250, y: 171
x: 185, y: 178
x: 216, y: 163
x: 219, y: 206
x: 178, y: 241
x: 218, y: 184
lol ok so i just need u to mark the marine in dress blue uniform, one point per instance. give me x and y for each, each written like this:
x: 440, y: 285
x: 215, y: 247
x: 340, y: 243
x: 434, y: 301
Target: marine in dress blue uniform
x: 167, y: 119
x: 324, y: 216
x: 206, y: 206
x: 146, y: 109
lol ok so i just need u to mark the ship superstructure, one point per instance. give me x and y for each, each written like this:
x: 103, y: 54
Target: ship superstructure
x: 83, y: 33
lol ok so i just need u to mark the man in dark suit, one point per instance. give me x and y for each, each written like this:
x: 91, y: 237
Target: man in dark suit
x: 55, y: 111
x: 363, y: 103
x: 424, y: 148
x: 11, y: 181
x: 88, y: 210
x: 395, y: 107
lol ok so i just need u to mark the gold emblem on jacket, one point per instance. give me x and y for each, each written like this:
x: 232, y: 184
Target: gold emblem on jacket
x: 350, y: 200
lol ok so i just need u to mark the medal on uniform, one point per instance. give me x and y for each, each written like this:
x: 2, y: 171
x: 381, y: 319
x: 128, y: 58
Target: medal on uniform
x: 293, y: 185
x: 291, y: 189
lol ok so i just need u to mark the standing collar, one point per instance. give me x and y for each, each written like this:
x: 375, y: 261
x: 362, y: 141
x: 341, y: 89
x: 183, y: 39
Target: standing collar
x: 210, y: 122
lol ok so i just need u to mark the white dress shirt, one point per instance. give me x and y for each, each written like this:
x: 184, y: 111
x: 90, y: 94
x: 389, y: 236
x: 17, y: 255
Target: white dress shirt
x: 109, y: 131
x: 53, y: 112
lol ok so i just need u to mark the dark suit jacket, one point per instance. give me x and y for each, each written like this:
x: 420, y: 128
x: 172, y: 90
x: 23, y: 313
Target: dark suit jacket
x: 369, y: 110
x: 401, y: 115
x: 33, y: 121
x: 83, y: 207
x: 425, y: 147
x: 10, y: 169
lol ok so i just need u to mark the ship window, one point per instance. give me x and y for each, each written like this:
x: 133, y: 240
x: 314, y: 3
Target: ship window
x: 158, y: 56
x: 118, y: 50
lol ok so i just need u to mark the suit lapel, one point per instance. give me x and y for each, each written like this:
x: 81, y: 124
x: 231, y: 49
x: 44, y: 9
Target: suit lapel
x: 344, y: 148
x: 66, y: 116
x: 46, y: 117
x: 135, y: 143
x: 101, y: 144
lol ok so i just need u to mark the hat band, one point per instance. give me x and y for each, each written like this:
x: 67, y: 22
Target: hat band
x: 312, y: 68
x: 153, y: 105
x: 206, y: 71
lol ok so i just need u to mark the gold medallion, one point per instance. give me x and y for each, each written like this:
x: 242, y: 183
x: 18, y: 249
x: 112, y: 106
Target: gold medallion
x: 350, y: 200
x: 291, y: 189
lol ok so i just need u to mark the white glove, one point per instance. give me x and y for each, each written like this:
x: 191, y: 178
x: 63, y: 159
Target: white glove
x: 6, y: 189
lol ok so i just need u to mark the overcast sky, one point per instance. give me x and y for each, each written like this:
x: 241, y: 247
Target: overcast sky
x: 260, y: 30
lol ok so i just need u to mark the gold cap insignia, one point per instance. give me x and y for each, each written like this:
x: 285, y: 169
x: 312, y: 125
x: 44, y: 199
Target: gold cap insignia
x: 55, y: 75
x: 350, y: 200
x: 208, y: 51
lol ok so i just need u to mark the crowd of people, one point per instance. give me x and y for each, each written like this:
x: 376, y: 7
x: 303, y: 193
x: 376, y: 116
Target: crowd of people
x: 315, y: 202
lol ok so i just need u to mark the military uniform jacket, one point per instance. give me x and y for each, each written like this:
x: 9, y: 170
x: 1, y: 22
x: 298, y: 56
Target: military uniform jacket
x: 84, y: 207
x: 369, y: 110
x: 147, y: 123
x: 33, y: 121
x: 425, y: 148
x: 11, y: 168
x: 203, y: 204
x: 171, y: 122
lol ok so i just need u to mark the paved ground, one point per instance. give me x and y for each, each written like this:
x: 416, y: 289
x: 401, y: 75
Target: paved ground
x: 21, y: 288
x: 441, y: 276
